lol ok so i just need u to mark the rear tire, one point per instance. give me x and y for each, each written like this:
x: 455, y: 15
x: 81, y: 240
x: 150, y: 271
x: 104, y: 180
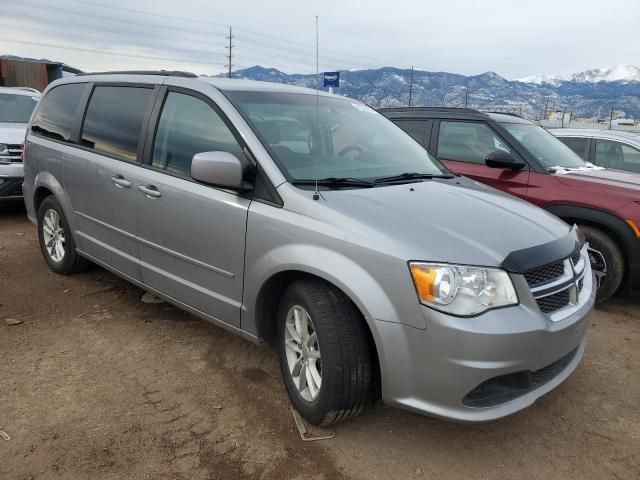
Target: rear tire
x: 56, y: 240
x: 340, y: 352
x: 613, y: 257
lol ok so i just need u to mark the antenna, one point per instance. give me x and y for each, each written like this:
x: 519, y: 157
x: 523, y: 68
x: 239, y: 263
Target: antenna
x: 316, y: 194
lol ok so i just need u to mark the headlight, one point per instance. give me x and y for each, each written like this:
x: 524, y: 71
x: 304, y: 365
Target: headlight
x: 4, y: 150
x: 462, y: 290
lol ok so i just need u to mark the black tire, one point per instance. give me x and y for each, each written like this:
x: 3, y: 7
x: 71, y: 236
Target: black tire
x: 71, y: 262
x: 346, y: 354
x: 612, y: 254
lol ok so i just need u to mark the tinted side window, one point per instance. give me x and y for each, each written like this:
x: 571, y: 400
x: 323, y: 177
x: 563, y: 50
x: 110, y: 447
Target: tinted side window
x: 188, y: 126
x: 468, y: 142
x: 56, y: 110
x: 114, y: 119
x: 415, y: 128
x: 578, y: 145
x: 616, y: 155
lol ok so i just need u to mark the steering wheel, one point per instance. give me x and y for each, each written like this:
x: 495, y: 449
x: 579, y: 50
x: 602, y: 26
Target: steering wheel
x: 350, y: 148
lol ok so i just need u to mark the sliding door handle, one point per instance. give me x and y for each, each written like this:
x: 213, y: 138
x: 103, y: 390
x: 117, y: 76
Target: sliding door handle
x: 151, y: 191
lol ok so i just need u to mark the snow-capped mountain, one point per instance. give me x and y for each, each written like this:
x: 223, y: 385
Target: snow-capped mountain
x: 618, y: 73
x: 389, y: 86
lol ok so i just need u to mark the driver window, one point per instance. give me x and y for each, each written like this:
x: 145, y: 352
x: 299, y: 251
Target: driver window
x: 468, y: 142
x: 188, y: 126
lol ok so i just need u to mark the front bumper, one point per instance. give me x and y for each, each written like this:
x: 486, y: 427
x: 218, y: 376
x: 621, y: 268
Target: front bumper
x: 10, y: 188
x: 432, y: 371
x: 11, y: 178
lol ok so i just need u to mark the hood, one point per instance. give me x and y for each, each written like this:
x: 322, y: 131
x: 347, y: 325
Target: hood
x: 616, y: 181
x: 12, y: 133
x: 455, y: 221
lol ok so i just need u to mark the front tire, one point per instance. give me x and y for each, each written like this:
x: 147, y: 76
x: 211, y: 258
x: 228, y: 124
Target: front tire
x: 56, y: 241
x: 613, y: 257
x: 325, y: 353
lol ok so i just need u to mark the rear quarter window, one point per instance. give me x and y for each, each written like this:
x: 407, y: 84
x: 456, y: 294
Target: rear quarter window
x: 114, y: 119
x: 56, y: 112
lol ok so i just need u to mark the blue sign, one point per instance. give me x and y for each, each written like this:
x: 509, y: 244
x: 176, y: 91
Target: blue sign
x: 331, y: 79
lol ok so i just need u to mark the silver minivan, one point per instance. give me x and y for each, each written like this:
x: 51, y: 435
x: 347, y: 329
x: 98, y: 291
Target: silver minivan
x: 309, y: 221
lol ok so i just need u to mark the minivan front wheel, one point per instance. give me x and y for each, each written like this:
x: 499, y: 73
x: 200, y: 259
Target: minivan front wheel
x: 56, y: 242
x: 325, y: 354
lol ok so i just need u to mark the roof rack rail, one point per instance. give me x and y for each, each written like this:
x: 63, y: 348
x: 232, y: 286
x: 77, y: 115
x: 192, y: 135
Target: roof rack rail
x: 432, y: 109
x: 165, y: 73
x: 511, y: 114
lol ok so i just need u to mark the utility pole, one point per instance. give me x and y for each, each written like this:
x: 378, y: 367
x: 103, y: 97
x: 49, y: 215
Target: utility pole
x: 230, y: 55
x: 411, y: 86
x: 466, y: 95
x: 563, y: 111
x: 546, y: 107
x: 611, y: 118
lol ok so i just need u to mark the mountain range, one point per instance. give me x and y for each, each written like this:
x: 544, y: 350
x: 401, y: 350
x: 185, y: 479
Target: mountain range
x: 589, y: 94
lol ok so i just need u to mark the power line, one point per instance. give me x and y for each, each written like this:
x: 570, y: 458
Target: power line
x: 108, y: 41
x: 116, y: 30
x: 179, y: 60
x: 173, y: 18
x: 106, y: 17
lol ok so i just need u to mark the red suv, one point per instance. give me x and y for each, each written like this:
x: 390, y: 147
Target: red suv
x: 520, y: 157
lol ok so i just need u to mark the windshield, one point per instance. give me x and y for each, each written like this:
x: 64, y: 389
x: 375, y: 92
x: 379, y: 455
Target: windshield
x: 346, y: 138
x: 549, y: 151
x: 16, y: 108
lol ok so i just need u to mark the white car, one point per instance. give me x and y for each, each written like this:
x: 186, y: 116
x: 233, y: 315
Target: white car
x: 16, y: 105
x: 606, y: 148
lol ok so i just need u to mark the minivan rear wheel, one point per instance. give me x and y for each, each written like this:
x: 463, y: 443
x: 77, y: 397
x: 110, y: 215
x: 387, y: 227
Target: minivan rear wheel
x: 613, y: 257
x: 325, y: 355
x: 56, y: 241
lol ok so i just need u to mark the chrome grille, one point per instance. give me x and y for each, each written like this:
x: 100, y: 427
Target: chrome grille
x: 554, y: 302
x: 558, y: 285
x: 542, y: 275
x: 14, y: 156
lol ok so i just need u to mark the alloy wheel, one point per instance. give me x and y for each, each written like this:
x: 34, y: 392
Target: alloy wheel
x: 53, y: 234
x: 303, y: 353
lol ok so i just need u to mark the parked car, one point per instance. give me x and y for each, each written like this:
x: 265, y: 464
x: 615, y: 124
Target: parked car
x: 387, y: 278
x: 521, y: 158
x: 605, y: 148
x: 16, y: 106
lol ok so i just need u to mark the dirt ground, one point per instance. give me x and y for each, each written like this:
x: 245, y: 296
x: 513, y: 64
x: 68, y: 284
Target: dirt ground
x: 95, y: 384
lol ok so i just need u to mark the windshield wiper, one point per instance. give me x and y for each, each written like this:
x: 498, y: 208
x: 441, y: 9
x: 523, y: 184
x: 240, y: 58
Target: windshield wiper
x: 336, y: 182
x: 411, y: 176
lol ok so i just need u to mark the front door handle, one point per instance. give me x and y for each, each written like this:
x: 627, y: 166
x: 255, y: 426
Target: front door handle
x: 120, y: 181
x: 151, y: 191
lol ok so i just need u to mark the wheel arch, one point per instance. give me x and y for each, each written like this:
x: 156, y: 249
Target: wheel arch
x: 614, y: 226
x: 266, y: 308
x: 46, y: 184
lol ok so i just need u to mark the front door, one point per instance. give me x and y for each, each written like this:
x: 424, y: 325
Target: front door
x: 191, y: 236
x: 463, y: 147
x: 100, y: 176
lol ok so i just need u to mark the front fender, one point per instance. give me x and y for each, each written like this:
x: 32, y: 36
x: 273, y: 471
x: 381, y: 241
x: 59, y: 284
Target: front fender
x: 357, y: 283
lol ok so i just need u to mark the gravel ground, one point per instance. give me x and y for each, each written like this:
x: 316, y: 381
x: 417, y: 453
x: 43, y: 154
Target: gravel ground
x: 95, y: 384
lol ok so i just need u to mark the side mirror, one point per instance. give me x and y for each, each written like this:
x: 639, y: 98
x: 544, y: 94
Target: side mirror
x: 500, y: 159
x: 221, y: 169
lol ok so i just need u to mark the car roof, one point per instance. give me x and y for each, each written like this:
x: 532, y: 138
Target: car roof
x: 459, y: 113
x: 19, y: 91
x: 596, y: 133
x: 221, y: 83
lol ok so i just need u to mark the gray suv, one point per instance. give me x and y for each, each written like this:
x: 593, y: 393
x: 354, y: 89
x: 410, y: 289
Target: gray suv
x: 309, y: 221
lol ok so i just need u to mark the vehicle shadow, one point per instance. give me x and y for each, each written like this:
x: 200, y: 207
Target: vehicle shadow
x: 12, y: 209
